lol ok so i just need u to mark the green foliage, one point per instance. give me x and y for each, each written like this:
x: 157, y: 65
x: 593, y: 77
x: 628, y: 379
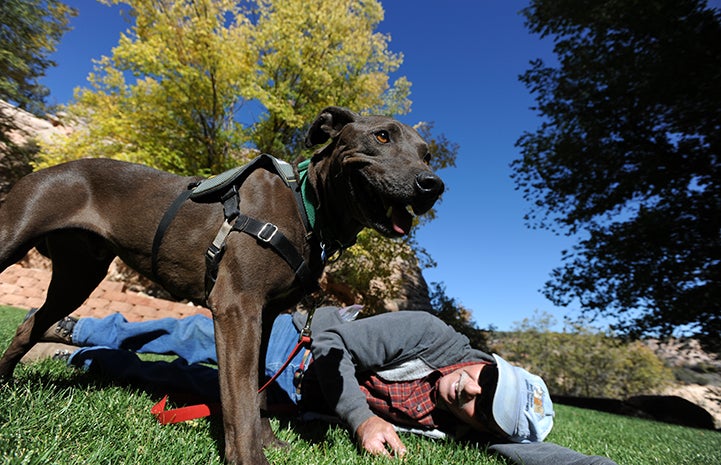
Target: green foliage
x: 582, y: 362
x: 366, y: 270
x: 628, y: 153
x: 29, y: 33
x: 315, y: 53
x: 169, y: 94
x: 701, y: 374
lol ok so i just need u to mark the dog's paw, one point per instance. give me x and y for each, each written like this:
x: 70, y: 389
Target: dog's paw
x: 275, y: 443
x: 270, y: 440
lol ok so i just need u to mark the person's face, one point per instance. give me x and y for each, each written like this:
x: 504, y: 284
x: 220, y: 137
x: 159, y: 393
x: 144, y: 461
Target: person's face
x: 457, y: 393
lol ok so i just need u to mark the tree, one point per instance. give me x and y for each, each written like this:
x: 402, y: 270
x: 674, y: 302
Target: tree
x: 457, y: 317
x: 193, y: 64
x: 312, y: 54
x: 29, y: 33
x: 629, y: 153
x: 169, y: 94
x: 365, y: 274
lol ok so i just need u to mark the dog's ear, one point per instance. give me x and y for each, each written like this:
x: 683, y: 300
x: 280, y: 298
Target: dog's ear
x: 328, y: 124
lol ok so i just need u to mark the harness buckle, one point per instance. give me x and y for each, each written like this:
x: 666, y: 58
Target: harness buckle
x: 212, y: 252
x: 218, y: 244
x: 267, y: 232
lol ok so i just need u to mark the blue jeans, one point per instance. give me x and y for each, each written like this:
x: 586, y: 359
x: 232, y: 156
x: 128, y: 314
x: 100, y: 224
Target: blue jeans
x: 191, y: 338
x: 283, y: 339
x: 110, y: 345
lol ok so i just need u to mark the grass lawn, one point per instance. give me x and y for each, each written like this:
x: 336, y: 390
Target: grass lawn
x: 51, y: 414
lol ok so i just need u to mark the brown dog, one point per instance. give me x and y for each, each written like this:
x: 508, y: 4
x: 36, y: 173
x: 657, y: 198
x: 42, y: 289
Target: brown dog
x: 82, y: 214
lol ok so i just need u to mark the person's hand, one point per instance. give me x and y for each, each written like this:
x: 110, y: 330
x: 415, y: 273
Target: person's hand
x: 376, y: 435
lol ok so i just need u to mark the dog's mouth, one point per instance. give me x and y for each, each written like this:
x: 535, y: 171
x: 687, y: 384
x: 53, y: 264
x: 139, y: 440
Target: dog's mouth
x: 390, y: 213
x: 401, y: 218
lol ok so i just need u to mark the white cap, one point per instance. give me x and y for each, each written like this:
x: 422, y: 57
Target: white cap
x: 522, y: 406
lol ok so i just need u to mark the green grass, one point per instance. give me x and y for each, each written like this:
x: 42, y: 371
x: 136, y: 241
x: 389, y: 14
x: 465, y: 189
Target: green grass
x: 51, y: 414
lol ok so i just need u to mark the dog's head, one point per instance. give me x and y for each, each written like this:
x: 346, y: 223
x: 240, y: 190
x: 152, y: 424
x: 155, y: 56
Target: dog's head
x: 374, y: 170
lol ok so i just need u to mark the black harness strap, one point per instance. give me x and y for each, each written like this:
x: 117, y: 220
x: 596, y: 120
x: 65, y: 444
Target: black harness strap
x: 164, y: 223
x: 268, y: 233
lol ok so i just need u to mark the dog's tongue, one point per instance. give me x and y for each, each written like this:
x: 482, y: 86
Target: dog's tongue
x: 402, y: 220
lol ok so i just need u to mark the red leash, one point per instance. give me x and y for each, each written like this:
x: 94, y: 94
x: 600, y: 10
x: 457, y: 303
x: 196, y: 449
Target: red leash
x: 192, y: 412
x: 178, y: 415
x: 304, y: 339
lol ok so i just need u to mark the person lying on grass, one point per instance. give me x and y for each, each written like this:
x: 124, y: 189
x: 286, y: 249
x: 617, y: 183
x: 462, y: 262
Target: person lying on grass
x: 399, y: 371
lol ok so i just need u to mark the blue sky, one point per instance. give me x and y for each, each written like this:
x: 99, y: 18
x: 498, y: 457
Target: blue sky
x: 463, y: 58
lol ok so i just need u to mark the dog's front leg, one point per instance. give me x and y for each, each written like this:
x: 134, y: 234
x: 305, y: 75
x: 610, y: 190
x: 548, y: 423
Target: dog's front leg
x: 237, y: 339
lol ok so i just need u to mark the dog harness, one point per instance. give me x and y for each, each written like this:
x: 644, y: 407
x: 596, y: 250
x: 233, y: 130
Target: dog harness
x: 224, y: 189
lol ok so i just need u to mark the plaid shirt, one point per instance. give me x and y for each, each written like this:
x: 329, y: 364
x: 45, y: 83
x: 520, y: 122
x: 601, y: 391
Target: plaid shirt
x: 410, y: 403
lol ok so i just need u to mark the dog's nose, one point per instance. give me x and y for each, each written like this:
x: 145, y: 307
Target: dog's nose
x: 428, y: 184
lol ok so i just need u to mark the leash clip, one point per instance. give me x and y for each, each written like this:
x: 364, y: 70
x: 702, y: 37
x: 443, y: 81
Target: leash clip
x: 330, y: 254
x: 305, y: 335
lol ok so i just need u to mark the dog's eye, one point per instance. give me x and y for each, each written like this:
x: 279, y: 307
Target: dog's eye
x: 427, y: 159
x: 383, y: 137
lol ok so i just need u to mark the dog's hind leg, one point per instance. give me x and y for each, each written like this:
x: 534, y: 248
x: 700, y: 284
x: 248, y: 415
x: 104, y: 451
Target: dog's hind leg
x: 80, y: 261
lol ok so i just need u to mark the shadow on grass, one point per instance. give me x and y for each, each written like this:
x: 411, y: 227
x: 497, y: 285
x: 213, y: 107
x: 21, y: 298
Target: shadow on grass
x: 315, y: 431
x: 57, y: 381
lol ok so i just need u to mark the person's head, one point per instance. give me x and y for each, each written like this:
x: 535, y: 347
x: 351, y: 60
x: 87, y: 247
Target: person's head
x: 500, y: 399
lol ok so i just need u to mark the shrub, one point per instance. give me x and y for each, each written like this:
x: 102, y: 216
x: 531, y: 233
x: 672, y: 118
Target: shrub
x: 582, y: 362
